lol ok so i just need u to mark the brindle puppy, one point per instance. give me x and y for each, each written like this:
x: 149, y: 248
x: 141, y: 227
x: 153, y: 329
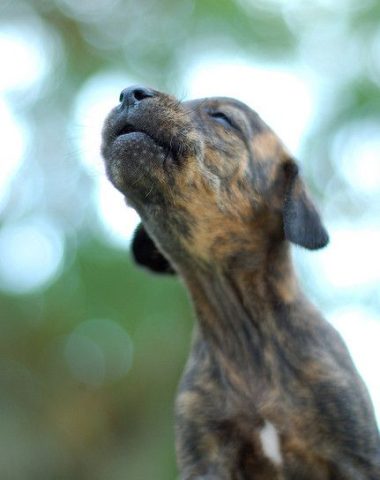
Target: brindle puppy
x: 270, y: 390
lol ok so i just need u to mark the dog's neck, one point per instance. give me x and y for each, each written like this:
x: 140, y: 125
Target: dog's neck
x: 241, y: 311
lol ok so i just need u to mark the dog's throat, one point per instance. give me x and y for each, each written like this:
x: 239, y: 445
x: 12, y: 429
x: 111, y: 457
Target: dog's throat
x: 242, y: 315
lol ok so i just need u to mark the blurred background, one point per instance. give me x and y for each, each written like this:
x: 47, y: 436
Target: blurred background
x: 91, y: 348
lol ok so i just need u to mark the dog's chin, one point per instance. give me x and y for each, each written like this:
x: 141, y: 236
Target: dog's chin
x: 134, y: 162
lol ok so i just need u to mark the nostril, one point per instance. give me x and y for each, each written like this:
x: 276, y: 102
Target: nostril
x: 141, y: 94
x: 134, y: 95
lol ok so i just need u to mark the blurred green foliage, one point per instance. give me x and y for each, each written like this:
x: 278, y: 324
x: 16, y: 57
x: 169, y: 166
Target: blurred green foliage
x: 66, y: 410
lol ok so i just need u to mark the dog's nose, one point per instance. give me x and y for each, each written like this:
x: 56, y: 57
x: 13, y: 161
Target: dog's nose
x: 133, y: 95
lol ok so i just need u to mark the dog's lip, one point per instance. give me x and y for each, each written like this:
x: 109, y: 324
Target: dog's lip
x: 128, y: 128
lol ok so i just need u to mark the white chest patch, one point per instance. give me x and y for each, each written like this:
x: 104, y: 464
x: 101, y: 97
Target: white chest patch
x: 270, y: 443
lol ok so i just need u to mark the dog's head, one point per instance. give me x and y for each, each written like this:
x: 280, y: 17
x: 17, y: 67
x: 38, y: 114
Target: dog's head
x: 209, y: 178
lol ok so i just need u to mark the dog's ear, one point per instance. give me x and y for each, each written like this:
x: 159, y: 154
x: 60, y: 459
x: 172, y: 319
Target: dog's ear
x: 145, y: 253
x: 302, y: 223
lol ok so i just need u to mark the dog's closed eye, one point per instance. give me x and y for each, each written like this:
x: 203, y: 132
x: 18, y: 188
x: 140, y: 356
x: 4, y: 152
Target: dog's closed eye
x: 223, y: 119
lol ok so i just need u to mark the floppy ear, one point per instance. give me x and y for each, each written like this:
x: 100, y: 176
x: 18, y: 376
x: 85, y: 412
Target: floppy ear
x: 302, y: 223
x: 145, y: 253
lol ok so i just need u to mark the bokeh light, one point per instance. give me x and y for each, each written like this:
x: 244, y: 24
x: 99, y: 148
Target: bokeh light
x: 31, y: 255
x: 348, y: 262
x: 24, y: 45
x: 98, y: 351
x: 356, y: 151
x: 13, y: 147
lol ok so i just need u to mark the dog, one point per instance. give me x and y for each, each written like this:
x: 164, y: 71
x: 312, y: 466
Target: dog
x: 269, y: 390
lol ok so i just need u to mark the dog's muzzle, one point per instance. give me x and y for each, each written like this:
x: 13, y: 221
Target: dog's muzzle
x: 145, y: 137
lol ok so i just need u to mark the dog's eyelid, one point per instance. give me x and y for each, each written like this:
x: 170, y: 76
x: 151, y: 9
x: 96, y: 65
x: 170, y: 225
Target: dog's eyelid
x: 223, y: 119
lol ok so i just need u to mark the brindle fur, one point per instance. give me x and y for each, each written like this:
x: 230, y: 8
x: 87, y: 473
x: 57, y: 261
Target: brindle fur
x: 220, y: 200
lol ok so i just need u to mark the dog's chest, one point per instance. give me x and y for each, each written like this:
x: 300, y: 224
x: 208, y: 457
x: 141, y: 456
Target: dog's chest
x: 268, y: 454
x: 276, y: 440
x: 271, y: 454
